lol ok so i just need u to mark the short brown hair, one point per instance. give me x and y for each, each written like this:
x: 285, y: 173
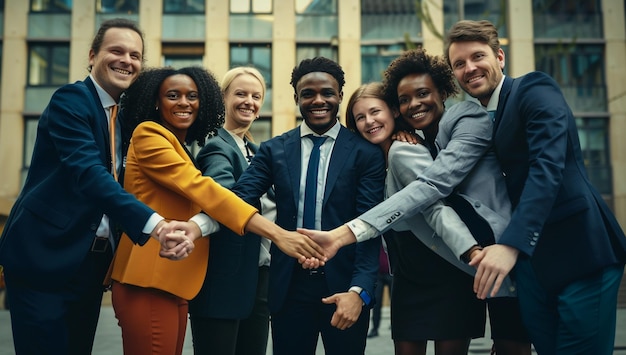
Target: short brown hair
x: 469, y: 31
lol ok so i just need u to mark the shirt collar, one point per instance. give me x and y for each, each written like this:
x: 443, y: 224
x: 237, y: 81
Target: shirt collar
x: 333, y: 132
x: 492, y: 105
x: 105, y: 99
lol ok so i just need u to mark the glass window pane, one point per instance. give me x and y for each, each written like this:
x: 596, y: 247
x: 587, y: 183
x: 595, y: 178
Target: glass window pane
x: 240, y: 6
x: 375, y: 59
x: 319, y: 7
x: 178, y: 62
x: 262, y: 6
x: 492, y: 10
x: 579, y: 71
x: 593, y: 134
x: 183, y: 6
x: 382, y: 20
x: 567, y: 18
x: 48, y: 65
x: 117, y: 6
x: 51, y: 5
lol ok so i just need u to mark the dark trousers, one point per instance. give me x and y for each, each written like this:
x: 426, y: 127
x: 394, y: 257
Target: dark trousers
x: 384, y: 279
x: 235, y: 336
x: 303, y: 317
x: 62, y: 320
x: 579, y: 319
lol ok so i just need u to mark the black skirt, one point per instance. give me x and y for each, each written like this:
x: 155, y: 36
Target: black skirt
x: 431, y: 299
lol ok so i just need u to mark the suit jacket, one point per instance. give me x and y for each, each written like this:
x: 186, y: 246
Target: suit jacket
x: 559, y: 219
x: 463, y: 139
x: 161, y: 173
x: 354, y: 184
x: 469, y: 139
x: 68, y: 188
x: 231, y: 279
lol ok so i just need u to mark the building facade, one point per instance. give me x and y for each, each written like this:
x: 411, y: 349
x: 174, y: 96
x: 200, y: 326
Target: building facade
x: 581, y: 43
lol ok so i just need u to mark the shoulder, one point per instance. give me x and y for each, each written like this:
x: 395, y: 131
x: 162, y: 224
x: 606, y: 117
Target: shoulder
x: 404, y: 149
x: 465, y: 108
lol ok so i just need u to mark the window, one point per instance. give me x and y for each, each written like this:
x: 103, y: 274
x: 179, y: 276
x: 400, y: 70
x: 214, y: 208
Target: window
x: 316, y: 19
x: 51, y: 5
x: 304, y: 51
x: 259, y: 57
x: 375, y: 59
x: 183, y: 7
x: 117, y: 6
x: 48, y: 64
x: 251, y: 20
x: 567, y: 19
x: 491, y: 10
x: 594, y: 142
x: 389, y: 20
x: 579, y: 71
x: 251, y: 6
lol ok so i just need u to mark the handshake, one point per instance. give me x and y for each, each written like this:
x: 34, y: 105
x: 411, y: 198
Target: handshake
x: 311, y: 248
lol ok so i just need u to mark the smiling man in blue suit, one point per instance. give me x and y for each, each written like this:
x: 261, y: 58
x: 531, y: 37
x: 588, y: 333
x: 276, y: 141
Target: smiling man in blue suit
x: 565, y: 244
x: 349, y: 181
x: 57, y: 243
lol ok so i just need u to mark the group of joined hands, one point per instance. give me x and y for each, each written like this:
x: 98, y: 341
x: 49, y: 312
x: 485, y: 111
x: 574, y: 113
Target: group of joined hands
x: 313, y: 248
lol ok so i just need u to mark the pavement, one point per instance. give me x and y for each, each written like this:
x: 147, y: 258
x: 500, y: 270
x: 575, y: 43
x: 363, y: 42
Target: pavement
x: 108, y: 339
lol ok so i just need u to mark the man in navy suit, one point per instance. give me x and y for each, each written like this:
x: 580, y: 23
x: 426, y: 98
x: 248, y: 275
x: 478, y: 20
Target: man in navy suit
x: 333, y: 300
x: 56, y: 246
x: 565, y: 244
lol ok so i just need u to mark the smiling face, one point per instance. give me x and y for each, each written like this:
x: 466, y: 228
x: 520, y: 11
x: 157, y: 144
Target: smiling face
x: 318, y: 96
x: 374, y: 120
x: 178, y: 104
x: 118, y: 62
x: 421, y: 105
x: 477, y: 69
x: 243, y: 100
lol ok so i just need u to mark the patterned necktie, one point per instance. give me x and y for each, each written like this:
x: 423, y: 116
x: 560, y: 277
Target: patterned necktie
x: 112, y: 142
x: 310, y: 189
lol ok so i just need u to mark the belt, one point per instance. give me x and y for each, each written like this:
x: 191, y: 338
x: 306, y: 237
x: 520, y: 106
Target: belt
x: 100, y: 245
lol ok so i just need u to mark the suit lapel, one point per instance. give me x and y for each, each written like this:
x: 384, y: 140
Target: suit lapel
x: 226, y: 137
x: 293, y: 153
x: 504, y: 95
x: 102, y: 118
x: 339, y: 156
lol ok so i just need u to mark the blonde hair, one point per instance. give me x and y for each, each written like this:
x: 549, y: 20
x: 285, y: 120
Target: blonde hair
x: 232, y: 74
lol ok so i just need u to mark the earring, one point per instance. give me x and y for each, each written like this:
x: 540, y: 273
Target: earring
x: 156, y: 108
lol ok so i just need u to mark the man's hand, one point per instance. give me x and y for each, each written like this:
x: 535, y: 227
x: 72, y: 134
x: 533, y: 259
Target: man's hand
x: 331, y: 241
x: 349, y: 306
x: 293, y: 244
x: 493, y: 264
x: 176, y: 238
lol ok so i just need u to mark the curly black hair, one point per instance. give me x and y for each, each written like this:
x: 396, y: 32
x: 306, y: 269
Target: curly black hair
x: 138, y: 102
x: 416, y: 61
x: 317, y: 64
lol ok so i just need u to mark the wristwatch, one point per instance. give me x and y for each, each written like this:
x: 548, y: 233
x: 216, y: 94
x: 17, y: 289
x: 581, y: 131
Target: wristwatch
x: 365, y: 297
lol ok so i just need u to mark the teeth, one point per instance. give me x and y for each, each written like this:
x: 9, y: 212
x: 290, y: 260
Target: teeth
x: 121, y: 71
x: 418, y: 114
x: 246, y: 110
x: 374, y: 130
x: 182, y: 114
x: 318, y: 112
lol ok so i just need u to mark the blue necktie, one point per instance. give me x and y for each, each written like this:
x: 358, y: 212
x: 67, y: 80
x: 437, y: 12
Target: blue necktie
x: 492, y: 115
x: 310, y: 189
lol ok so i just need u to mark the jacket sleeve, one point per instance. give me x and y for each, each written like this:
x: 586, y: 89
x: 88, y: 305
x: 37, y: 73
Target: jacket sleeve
x: 158, y: 153
x: 406, y: 162
x: 470, y: 139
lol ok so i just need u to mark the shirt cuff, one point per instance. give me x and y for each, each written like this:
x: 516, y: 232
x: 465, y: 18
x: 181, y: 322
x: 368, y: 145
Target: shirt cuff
x: 152, y: 223
x: 362, y: 230
x: 207, y: 224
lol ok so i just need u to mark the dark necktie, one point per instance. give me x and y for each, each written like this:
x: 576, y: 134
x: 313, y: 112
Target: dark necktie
x: 310, y: 189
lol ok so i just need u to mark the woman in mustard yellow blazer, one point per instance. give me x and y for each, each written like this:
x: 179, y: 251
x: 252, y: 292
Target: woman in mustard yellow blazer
x: 166, y: 109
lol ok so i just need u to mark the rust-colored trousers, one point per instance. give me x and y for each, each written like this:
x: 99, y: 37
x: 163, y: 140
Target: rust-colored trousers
x: 152, y: 321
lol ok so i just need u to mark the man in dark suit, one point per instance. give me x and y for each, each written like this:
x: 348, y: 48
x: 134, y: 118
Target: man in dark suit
x: 57, y: 243
x: 350, y: 181
x: 565, y: 244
